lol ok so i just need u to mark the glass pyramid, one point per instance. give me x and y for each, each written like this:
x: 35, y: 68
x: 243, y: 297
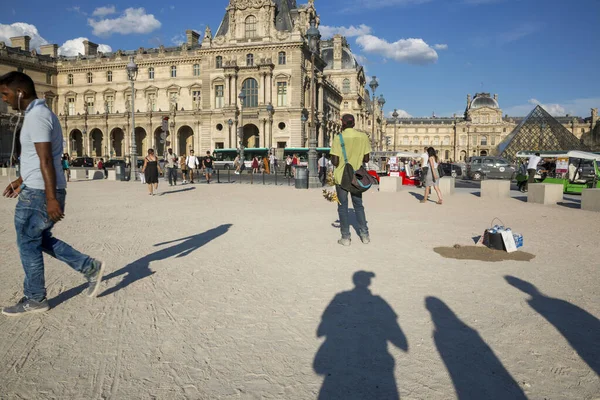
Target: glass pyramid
x: 539, y: 131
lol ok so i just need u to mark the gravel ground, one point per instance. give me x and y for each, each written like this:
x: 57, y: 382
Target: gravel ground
x: 241, y: 292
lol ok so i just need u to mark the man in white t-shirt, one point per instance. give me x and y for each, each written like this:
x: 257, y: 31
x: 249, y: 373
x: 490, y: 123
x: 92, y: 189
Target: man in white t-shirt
x: 192, y: 163
x: 272, y: 164
x: 532, y: 168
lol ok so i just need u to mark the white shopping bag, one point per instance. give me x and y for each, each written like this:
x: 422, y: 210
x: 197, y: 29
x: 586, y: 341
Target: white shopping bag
x: 142, y: 178
x: 509, y: 241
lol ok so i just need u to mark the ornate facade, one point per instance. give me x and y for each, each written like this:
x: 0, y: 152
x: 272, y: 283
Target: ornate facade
x: 476, y: 133
x: 260, y: 49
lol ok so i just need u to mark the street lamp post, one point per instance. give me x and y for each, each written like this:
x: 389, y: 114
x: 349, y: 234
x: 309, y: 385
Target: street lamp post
x: 374, y: 85
x: 395, y: 116
x: 242, y: 97
x: 230, y: 123
x: 314, y: 37
x: 468, y: 140
x: 381, y: 102
x: 270, y: 110
x: 132, y: 71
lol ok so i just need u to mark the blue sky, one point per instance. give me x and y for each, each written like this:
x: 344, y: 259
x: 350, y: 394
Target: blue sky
x: 426, y: 54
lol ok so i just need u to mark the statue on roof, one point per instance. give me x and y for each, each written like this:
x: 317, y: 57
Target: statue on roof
x: 207, y: 33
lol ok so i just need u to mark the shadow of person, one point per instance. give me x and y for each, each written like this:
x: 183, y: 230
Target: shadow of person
x: 178, y: 191
x: 352, y: 221
x: 580, y: 328
x: 354, y: 357
x: 140, y: 269
x: 475, y: 370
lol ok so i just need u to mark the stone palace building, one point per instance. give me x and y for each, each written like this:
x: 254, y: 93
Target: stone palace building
x: 260, y: 48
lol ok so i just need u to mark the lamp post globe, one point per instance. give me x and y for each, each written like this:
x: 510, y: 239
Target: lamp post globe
x: 132, y: 71
x: 374, y: 84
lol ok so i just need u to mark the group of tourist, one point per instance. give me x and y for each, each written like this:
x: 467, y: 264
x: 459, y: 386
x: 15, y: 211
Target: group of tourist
x: 187, y: 164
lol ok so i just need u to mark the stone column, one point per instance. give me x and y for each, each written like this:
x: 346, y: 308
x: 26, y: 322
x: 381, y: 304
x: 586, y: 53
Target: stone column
x: 262, y: 93
x: 227, y: 90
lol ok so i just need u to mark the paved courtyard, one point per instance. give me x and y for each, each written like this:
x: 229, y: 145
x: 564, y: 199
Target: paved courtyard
x: 241, y: 292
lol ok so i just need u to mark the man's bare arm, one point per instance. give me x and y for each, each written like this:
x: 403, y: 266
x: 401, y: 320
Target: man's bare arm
x: 44, y: 151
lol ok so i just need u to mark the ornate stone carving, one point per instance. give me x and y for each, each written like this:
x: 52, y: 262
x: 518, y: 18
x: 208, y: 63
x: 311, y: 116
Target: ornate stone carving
x: 207, y: 33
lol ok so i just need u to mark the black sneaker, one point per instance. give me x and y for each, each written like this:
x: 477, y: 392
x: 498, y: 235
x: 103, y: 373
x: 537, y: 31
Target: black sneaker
x: 95, y: 278
x: 26, y: 306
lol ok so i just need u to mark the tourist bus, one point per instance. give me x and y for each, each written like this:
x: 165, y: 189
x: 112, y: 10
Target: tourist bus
x: 224, y: 157
x: 302, y: 153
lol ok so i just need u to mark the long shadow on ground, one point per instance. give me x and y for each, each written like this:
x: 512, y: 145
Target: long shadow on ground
x: 354, y: 357
x: 475, y: 370
x: 140, y: 269
x: 580, y: 328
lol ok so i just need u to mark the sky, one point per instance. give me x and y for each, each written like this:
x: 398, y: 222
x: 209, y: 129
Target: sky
x: 427, y: 55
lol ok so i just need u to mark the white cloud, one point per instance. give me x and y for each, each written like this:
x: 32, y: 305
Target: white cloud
x: 411, y: 51
x: 578, y: 107
x: 440, y: 46
x: 21, y: 29
x: 362, y: 60
x: 328, y: 32
x: 74, y: 47
x: 401, y: 114
x: 77, y: 9
x: 133, y: 20
x: 179, y: 39
x: 104, y: 11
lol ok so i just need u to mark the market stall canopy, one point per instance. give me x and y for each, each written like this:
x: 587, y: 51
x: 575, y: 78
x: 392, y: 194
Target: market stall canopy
x: 538, y: 132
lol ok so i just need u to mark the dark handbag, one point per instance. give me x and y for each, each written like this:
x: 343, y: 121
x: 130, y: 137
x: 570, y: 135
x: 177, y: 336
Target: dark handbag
x: 355, y: 182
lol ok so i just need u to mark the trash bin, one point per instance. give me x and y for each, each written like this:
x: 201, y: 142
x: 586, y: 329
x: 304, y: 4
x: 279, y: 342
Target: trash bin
x: 301, y: 177
x: 120, y: 173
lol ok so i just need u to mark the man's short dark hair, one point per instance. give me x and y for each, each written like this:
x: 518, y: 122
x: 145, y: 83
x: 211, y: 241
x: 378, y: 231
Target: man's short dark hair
x: 348, y: 121
x: 18, y: 80
x: 537, y: 154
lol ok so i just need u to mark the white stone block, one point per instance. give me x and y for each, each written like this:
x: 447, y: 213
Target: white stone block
x: 495, y: 189
x: 544, y: 193
x: 590, y: 199
x: 112, y: 175
x: 447, y: 185
x: 390, y: 184
x: 3, y: 171
x: 95, y: 175
x: 78, y: 174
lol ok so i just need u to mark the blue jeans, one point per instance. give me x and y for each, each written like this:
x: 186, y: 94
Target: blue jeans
x: 359, y: 211
x: 34, y: 237
x: 172, y: 172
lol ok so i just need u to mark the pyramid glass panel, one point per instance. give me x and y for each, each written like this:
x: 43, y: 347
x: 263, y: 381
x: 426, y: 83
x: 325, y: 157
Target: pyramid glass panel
x: 539, y: 131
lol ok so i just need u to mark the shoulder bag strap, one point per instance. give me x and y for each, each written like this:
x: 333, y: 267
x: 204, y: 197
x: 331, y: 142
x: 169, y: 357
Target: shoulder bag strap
x: 343, y: 148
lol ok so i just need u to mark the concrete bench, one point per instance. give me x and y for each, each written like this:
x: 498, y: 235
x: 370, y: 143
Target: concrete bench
x: 447, y: 185
x: 3, y: 171
x: 497, y: 189
x: 390, y: 184
x: 78, y: 174
x: 95, y: 175
x: 112, y: 175
x: 590, y: 199
x: 544, y: 193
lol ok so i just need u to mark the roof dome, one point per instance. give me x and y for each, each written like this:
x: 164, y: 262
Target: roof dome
x: 484, y: 100
x: 348, y: 60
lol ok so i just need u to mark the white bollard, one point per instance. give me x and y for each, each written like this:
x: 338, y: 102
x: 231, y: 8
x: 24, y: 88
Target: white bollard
x: 590, y: 199
x: 390, y: 184
x: 497, y: 189
x: 544, y: 193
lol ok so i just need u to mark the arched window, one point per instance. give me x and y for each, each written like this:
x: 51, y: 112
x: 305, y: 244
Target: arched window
x: 463, y: 140
x: 484, y: 140
x: 282, y: 58
x: 173, y: 71
x: 251, y: 27
x: 109, y: 76
x: 70, y: 79
x: 90, y: 77
x: 250, y: 60
x: 426, y: 140
x: 196, y: 69
x: 405, y: 140
x: 446, y: 140
x: 219, y: 62
x: 250, y: 89
x: 151, y: 73
x: 346, y: 86
x: 436, y: 141
x: 415, y: 140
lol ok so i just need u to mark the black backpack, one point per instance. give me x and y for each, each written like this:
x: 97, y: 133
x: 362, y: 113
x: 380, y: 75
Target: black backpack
x: 355, y: 182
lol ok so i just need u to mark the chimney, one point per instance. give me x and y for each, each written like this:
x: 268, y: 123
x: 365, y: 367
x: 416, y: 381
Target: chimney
x: 49, y: 50
x: 468, y: 100
x: 22, y: 42
x: 193, y: 38
x: 496, y: 97
x: 594, y: 117
x: 90, y: 49
x: 337, y: 52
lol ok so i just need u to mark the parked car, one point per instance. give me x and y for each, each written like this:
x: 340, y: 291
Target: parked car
x: 480, y: 168
x: 453, y: 170
x: 114, y: 163
x: 83, y: 162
